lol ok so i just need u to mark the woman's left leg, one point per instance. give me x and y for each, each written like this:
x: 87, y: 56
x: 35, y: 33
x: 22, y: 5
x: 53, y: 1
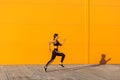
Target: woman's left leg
x: 62, y: 58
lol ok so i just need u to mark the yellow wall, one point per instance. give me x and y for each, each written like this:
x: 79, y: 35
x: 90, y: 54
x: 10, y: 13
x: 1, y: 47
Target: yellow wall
x: 26, y: 27
x: 105, y: 30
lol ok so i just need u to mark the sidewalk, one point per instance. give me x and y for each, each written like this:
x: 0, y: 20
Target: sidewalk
x: 55, y: 72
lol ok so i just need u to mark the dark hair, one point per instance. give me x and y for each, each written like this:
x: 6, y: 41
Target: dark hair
x: 55, y: 35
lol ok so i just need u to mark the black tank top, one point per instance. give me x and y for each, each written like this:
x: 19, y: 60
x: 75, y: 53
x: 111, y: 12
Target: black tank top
x: 57, y: 43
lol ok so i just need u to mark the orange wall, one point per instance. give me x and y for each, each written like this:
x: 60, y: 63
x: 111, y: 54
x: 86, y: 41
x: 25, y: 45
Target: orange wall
x: 105, y: 30
x: 26, y: 27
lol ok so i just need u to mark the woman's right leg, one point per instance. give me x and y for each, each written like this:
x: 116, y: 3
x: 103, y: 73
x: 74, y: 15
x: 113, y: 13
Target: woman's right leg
x: 51, y: 60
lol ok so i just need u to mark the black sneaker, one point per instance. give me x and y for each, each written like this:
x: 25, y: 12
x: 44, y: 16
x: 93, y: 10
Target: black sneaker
x: 61, y: 65
x: 45, y: 68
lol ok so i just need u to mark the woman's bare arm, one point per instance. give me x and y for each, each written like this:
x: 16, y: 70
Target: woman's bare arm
x: 49, y: 45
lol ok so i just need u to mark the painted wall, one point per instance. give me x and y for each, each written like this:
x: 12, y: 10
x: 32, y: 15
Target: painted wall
x: 26, y: 27
x: 105, y: 30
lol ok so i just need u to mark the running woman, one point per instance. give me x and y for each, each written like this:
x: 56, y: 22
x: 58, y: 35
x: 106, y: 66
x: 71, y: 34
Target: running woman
x: 55, y: 52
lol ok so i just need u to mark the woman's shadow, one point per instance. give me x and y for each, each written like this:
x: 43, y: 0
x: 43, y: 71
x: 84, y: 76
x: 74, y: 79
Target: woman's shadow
x: 74, y: 68
x: 103, y: 60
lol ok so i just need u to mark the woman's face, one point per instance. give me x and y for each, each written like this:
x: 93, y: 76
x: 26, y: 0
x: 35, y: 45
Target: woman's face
x: 56, y: 37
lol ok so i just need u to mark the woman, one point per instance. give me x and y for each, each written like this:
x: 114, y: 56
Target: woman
x: 55, y: 52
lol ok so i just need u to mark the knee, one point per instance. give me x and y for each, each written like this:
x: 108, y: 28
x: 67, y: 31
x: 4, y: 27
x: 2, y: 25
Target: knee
x: 63, y: 55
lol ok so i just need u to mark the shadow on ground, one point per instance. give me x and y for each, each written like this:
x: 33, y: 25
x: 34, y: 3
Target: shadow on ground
x: 73, y: 68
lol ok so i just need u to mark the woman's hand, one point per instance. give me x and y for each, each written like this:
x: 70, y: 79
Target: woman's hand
x: 63, y: 41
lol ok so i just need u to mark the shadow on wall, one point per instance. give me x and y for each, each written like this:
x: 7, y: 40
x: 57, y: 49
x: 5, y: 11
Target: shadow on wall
x: 103, y: 59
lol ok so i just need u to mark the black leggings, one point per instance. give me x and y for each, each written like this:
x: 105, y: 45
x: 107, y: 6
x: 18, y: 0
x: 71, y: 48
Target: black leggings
x: 54, y: 54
